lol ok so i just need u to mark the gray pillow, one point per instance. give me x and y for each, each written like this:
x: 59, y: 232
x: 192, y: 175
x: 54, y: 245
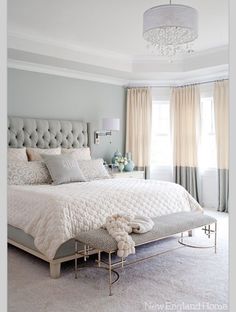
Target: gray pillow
x: 63, y: 168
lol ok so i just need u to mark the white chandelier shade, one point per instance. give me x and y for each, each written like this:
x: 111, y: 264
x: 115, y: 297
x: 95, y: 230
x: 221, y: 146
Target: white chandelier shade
x: 167, y: 27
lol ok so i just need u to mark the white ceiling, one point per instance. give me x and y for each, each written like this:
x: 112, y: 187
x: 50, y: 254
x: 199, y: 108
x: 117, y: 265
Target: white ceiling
x: 114, y: 25
x: 108, y: 29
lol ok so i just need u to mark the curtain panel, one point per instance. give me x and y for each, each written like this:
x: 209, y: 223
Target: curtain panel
x: 138, y: 126
x: 185, y: 120
x: 221, y: 110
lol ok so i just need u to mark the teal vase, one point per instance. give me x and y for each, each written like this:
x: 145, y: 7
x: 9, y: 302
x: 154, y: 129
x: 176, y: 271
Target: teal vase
x: 129, y: 166
x: 116, y: 154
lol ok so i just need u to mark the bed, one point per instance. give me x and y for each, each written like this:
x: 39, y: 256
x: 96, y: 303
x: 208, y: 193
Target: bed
x: 44, y: 219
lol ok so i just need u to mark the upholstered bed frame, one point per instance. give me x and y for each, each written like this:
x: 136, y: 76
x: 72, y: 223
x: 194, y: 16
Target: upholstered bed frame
x: 43, y: 133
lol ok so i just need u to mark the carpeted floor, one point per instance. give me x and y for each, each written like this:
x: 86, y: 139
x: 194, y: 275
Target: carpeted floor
x: 184, y: 279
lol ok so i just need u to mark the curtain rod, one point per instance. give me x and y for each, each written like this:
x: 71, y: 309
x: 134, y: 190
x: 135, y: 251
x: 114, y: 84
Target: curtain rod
x: 176, y: 86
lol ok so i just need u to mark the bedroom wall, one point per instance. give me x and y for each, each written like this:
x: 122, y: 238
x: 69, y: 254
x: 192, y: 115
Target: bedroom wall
x: 40, y: 95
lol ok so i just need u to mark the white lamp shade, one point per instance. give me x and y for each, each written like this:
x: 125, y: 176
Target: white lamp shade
x: 112, y: 124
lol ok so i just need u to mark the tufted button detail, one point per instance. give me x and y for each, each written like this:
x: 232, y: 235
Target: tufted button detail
x: 9, y: 128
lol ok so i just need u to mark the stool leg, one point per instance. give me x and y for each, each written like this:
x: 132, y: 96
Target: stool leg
x: 99, y: 258
x: 110, y: 280
x: 76, y: 259
x: 122, y: 262
x: 215, y: 235
x: 209, y: 231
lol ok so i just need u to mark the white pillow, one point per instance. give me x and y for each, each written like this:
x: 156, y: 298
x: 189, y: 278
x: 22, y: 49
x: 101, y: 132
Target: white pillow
x: 17, y: 154
x: 93, y: 169
x: 21, y: 172
x: 34, y: 154
x: 82, y: 153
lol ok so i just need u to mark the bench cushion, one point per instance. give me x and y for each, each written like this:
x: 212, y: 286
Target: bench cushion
x: 164, y: 226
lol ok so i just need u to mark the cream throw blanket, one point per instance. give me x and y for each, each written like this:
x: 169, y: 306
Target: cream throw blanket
x: 120, y: 226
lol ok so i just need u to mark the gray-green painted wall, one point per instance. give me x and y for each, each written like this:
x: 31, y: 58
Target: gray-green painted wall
x: 39, y: 95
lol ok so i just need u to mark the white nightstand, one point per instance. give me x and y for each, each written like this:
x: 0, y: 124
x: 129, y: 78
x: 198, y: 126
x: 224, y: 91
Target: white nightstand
x: 132, y: 174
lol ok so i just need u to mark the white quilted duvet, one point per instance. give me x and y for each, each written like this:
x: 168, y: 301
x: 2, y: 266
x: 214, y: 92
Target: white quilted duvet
x: 55, y: 214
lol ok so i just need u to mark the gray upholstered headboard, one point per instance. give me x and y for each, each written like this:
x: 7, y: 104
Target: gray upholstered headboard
x: 43, y: 133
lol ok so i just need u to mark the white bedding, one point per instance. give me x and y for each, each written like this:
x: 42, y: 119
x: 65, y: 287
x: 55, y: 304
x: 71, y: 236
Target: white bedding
x: 55, y: 214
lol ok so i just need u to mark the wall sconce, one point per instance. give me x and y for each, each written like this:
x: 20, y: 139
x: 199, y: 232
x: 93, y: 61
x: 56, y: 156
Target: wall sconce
x: 109, y: 125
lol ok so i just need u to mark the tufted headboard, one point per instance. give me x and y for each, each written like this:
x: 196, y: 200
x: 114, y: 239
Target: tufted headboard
x: 43, y: 133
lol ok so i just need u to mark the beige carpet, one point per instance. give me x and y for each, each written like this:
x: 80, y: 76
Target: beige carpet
x: 185, y: 279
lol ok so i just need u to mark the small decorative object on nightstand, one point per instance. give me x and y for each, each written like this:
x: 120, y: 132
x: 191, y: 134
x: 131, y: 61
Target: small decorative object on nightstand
x: 116, y: 154
x: 130, y: 164
x: 121, y: 162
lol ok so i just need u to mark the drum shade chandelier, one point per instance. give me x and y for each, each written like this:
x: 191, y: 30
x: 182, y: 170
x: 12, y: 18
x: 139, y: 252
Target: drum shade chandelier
x: 170, y: 28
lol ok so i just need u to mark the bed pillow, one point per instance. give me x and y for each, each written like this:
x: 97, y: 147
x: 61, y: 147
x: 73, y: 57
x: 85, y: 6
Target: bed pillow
x: 82, y: 153
x: 93, y: 169
x: 63, y: 168
x: 17, y: 154
x: 22, y: 172
x: 34, y: 154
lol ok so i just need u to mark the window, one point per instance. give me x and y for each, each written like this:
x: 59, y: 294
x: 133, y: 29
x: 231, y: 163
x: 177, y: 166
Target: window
x: 207, y: 148
x: 161, y: 149
x: 161, y: 152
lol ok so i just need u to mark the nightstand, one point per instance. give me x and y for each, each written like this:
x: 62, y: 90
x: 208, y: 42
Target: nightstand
x: 132, y: 174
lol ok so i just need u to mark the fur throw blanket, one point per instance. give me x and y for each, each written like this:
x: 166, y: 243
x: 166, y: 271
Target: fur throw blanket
x: 120, y: 226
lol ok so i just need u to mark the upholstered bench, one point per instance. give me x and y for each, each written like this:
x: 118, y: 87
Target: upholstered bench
x: 164, y: 226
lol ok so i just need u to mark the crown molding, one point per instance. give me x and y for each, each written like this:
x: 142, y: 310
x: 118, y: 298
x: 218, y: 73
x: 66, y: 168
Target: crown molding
x: 168, y: 79
x: 42, y: 55
x: 184, y: 78
x: 65, y: 72
x: 68, y: 51
x: 115, y: 61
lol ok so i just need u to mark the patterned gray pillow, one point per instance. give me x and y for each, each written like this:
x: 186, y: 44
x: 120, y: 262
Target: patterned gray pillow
x: 93, y: 169
x: 17, y: 154
x: 26, y: 172
x: 63, y: 168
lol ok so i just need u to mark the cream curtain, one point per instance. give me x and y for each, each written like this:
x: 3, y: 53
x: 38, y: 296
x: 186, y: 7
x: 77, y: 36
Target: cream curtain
x: 138, y: 125
x: 185, y: 117
x: 221, y: 109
